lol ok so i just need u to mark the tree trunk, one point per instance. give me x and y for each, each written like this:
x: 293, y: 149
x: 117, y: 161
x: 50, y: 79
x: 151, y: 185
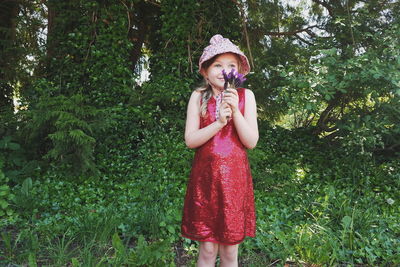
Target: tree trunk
x: 8, y: 13
x: 142, y: 16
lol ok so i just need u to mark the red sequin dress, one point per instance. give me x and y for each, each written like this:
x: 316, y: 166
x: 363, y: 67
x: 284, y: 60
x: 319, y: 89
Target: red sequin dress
x: 219, y: 202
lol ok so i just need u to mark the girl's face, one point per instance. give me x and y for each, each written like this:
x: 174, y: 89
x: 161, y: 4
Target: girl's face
x: 213, y: 73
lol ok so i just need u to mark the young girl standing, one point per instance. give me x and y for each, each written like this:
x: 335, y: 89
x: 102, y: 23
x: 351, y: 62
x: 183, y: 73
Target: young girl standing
x: 219, y: 204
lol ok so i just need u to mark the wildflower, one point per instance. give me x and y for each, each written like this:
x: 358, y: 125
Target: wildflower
x: 233, y: 79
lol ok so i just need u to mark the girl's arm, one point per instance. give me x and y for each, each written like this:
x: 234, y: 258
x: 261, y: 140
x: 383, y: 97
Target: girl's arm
x: 246, y: 126
x: 194, y: 136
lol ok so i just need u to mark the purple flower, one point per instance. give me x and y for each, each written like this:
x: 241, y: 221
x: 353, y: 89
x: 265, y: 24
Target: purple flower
x: 233, y: 79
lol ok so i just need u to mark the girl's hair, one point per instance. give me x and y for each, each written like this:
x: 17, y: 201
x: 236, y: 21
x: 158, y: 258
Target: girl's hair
x: 206, y: 93
x: 206, y: 90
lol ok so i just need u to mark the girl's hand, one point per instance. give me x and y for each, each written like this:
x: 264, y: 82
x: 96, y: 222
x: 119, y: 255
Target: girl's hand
x: 232, y: 98
x: 225, y: 112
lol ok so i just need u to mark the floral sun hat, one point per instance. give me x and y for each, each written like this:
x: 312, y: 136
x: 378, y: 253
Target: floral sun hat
x: 219, y: 45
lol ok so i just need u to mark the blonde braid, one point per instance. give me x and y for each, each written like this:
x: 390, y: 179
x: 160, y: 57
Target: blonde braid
x: 206, y: 93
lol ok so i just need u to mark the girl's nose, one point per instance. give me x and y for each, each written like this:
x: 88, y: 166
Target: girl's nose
x: 227, y: 70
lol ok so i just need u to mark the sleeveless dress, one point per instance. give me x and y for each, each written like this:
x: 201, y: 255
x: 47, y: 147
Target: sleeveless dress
x: 219, y: 201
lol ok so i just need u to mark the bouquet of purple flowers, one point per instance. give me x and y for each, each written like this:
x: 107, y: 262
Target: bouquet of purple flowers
x: 233, y: 79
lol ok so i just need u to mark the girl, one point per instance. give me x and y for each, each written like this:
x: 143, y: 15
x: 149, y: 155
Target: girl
x: 219, y: 204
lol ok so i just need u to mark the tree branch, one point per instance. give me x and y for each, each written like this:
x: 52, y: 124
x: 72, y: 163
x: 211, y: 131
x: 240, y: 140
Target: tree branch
x: 293, y: 32
x: 324, y: 4
x: 332, y: 135
x: 324, y: 117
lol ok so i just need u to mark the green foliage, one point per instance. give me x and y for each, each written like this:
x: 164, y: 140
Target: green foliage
x: 144, y: 253
x: 61, y: 249
x: 319, y: 212
x: 64, y: 128
x: 11, y: 158
x: 88, y: 209
x: 87, y: 80
x: 5, y: 194
x: 173, y: 69
x: 326, y: 191
x: 356, y: 103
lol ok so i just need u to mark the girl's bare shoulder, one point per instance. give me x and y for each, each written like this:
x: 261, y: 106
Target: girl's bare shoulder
x: 249, y: 94
x: 196, y: 93
x: 195, y: 96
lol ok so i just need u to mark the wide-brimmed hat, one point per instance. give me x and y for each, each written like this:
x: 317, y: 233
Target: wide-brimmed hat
x: 219, y: 45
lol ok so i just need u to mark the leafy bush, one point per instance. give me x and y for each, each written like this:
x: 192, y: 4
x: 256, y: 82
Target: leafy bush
x: 5, y: 195
x: 11, y: 159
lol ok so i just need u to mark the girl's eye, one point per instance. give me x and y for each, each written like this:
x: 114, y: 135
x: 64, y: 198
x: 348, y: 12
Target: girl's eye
x: 233, y: 66
x: 217, y: 65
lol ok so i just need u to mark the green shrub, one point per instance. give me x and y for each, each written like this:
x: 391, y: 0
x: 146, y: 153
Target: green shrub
x: 6, y: 197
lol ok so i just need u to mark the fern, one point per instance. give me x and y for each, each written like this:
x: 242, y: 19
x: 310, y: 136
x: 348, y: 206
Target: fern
x: 67, y: 124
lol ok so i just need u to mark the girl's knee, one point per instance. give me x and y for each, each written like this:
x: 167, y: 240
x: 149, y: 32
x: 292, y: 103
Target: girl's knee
x: 229, y: 253
x: 208, y: 250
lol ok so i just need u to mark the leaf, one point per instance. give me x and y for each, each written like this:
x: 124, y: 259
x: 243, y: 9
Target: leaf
x: 13, y: 146
x: 3, y: 204
x: 75, y: 262
x: 171, y: 229
x: 346, y: 221
x: 32, y: 260
x: 4, y: 189
x: 117, y: 244
x: 26, y: 186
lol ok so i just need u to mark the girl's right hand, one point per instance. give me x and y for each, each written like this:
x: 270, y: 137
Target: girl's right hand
x: 225, y: 113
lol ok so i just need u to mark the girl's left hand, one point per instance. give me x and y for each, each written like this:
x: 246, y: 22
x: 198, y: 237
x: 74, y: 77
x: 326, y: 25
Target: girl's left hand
x: 232, y: 98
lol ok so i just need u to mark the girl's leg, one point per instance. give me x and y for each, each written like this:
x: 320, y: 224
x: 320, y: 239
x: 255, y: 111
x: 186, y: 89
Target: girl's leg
x: 208, y: 254
x: 228, y: 255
